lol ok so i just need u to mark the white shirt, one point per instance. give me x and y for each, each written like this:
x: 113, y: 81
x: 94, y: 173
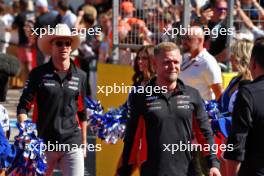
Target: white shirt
x: 69, y: 18
x: 4, y: 35
x: 257, y: 32
x: 201, y: 72
x: 12, y: 36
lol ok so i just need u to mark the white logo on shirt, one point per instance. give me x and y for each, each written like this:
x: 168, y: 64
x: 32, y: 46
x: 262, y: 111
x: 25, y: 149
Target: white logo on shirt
x: 49, y: 84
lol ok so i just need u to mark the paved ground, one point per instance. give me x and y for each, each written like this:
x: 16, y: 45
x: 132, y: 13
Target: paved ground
x: 10, y: 104
x: 12, y: 101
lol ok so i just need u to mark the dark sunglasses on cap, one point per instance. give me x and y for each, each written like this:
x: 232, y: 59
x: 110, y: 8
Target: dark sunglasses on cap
x: 61, y: 43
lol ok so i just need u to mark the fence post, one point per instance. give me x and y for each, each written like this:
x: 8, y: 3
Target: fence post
x: 230, y: 24
x: 186, y: 13
x: 115, y: 52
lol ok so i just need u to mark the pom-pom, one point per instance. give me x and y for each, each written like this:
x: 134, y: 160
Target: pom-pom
x: 30, y: 158
x: 110, y: 126
x: 221, y: 121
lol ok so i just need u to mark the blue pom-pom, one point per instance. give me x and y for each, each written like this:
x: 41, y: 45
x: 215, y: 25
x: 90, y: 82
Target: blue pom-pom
x: 7, y: 151
x: 221, y: 121
x: 110, y: 126
x: 30, y: 158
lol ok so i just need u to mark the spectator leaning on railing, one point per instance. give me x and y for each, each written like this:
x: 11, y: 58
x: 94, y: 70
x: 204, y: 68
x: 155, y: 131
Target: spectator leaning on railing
x: 214, y: 18
x: 256, y: 30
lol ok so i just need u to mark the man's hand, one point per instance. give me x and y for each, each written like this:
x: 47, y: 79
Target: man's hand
x: 214, y: 172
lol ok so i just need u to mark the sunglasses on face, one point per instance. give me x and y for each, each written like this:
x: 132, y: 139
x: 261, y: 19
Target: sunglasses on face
x: 61, y: 43
x: 220, y: 9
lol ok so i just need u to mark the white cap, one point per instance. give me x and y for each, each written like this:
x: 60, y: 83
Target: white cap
x: 41, y: 3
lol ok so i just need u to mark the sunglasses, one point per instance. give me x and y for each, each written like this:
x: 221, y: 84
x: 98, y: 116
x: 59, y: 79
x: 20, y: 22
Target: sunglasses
x: 220, y: 9
x: 61, y: 43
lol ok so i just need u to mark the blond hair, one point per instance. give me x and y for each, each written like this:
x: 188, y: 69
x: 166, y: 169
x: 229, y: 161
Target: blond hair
x: 241, y: 50
x: 164, y: 47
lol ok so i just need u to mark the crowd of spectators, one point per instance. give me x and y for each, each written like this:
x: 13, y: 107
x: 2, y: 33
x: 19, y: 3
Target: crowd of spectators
x: 21, y: 22
x: 142, y: 23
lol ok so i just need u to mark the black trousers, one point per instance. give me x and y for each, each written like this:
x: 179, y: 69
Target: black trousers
x: 252, y: 167
x: 3, y: 85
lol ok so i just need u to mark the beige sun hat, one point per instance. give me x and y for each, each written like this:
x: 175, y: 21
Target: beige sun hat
x: 60, y: 31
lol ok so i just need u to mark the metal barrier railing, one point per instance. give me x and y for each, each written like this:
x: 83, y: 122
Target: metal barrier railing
x: 147, y: 19
x: 252, y: 12
x: 136, y: 23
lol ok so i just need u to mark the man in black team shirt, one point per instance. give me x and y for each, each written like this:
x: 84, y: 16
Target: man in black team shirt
x: 58, y: 89
x: 247, y: 158
x: 163, y: 120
